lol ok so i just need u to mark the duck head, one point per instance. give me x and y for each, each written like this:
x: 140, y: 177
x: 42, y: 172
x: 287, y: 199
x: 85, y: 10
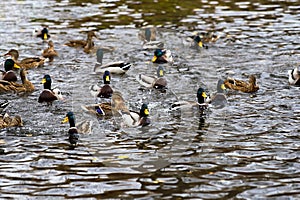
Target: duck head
x: 70, y: 118
x: 144, y: 111
x: 47, y: 82
x: 201, y: 95
x: 9, y: 64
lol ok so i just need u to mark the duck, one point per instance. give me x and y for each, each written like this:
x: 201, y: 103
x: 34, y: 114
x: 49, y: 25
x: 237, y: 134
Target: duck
x: 219, y: 99
x: 134, y: 119
x: 26, y: 63
x: 73, y: 132
x: 26, y: 86
x: 9, y: 74
x: 50, y: 52
x: 200, y: 103
x: 7, y: 121
x: 48, y: 94
x: 148, y: 37
x: 243, y: 86
x: 162, y: 56
x: 294, y: 76
x: 209, y: 37
x: 105, y: 91
x: 87, y: 44
x: 159, y: 83
x: 43, y: 34
x: 118, y: 67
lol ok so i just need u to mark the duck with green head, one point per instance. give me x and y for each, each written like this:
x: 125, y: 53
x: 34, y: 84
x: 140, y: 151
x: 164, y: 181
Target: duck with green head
x: 105, y: 91
x: 9, y: 74
x: 219, y: 100
x: 73, y: 132
x: 43, y: 34
x: 162, y: 56
x: 48, y: 95
x: 133, y: 119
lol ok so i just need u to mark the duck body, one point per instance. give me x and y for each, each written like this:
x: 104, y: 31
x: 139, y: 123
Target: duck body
x: 26, y: 63
x: 133, y: 119
x: 162, y: 56
x: 73, y: 132
x: 86, y: 45
x: 49, y: 95
x: 50, y: 52
x: 294, y: 76
x: 158, y: 82
x: 105, y: 91
x: 219, y: 99
x: 243, y: 86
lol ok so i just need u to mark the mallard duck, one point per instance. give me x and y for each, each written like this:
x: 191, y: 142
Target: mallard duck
x: 119, y: 67
x: 73, y: 132
x: 162, y: 56
x: 147, y: 34
x: 9, y: 74
x: 26, y: 86
x: 133, y: 119
x: 294, y: 76
x: 219, y: 100
x: 201, y: 102
x: 7, y: 121
x: 43, y: 34
x: 208, y: 37
x: 105, y: 91
x: 87, y: 44
x: 159, y: 83
x: 248, y: 87
x: 26, y: 63
x: 49, y: 95
x: 50, y: 52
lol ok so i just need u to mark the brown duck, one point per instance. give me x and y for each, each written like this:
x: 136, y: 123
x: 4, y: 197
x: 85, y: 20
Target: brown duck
x: 50, y: 52
x: 242, y: 86
x: 26, y: 63
x: 87, y: 44
x: 7, y: 121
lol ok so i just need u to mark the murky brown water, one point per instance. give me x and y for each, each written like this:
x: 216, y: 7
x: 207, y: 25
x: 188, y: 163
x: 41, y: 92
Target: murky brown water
x: 247, y: 150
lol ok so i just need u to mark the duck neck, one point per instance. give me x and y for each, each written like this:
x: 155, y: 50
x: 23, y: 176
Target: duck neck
x: 47, y: 85
x: 72, y: 122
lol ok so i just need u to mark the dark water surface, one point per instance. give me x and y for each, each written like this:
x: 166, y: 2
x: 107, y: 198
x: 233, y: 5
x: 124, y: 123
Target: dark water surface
x: 247, y: 150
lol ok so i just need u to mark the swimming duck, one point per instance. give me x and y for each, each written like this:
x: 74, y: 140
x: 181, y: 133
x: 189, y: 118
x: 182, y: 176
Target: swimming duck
x: 162, y: 56
x: 147, y: 34
x: 201, y: 102
x: 50, y: 52
x: 73, y: 132
x: 10, y: 75
x: 133, y: 119
x: 43, y: 34
x: 26, y: 85
x: 87, y: 44
x: 26, y: 63
x: 294, y: 76
x: 243, y: 86
x: 105, y: 91
x: 159, y: 83
x: 219, y: 100
x: 209, y: 37
x: 7, y: 121
x: 49, y: 95
x: 119, y: 67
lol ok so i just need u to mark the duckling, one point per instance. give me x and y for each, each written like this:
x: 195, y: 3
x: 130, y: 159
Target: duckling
x: 87, y: 44
x: 49, y: 95
x: 50, y: 52
x: 119, y: 67
x: 133, y: 119
x: 26, y: 63
x: 247, y: 87
x: 105, y: 91
x: 43, y: 34
x: 7, y: 121
x: 162, y: 56
x: 159, y: 83
x: 294, y: 76
x: 219, y: 99
x: 73, y: 132
x: 201, y: 102
x: 9, y: 75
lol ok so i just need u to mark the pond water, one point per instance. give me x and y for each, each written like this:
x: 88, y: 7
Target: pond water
x: 246, y: 150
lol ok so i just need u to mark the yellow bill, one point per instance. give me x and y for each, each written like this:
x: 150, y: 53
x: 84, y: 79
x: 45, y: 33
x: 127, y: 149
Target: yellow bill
x: 223, y: 87
x: 204, y: 94
x: 154, y: 58
x: 161, y: 72
x: 45, y: 36
x: 43, y: 81
x: 16, y: 66
x: 200, y: 44
x: 107, y: 78
x: 146, y: 112
x: 66, y: 119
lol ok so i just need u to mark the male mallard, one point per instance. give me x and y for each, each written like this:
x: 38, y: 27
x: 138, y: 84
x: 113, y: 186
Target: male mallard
x: 105, y: 91
x: 7, y: 121
x: 49, y: 95
x: 132, y: 118
x: 201, y: 102
x: 159, y: 83
x: 219, y: 100
x: 242, y: 86
x: 73, y: 132
x: 87, y: 44
x: 294, y: 76
x: 50, y: 52
x: 26, y: 63
x: 43, y: 34
x: 10, y: 75
x: 119, y: 67
x: 162, y: 56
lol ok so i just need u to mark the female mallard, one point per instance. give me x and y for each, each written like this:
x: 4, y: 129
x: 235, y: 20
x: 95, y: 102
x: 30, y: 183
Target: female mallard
x: 43, y: 34
x: 50, y: 52
x: 159, y: 83
x: 73, y: 132
x: 87, y: 44
x: 119, y: 67
x: 105, y: 91
x: 133, y: 119
x: 162, y: 56
x: 219, y: 100
x: 26, y: 63
x: 201, y: 102
x: 26, y: 86
x: 242, y: 86
x: 10, y: 75
x: 7, y: 121
x: 49, y: 95
x: 294, y: 76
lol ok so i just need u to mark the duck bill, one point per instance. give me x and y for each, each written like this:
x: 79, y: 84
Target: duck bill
x: 161, y: 72
x: 154, y: 58
x: 223, y: 87
x: 16, y: 66
x: 45, y: 37
x: 66, y: 119
x: 146, y: 111
x: 204, y: 95
x: 200, y: 44
x: 43, y: 81
x: 107, y: 78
